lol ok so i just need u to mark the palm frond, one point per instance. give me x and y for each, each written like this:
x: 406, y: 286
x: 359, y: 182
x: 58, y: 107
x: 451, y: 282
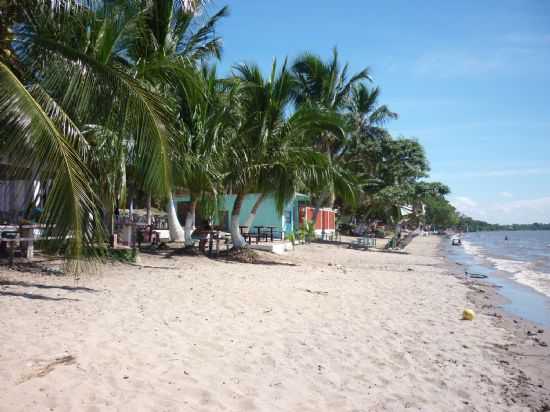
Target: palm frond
x: 35, y: 119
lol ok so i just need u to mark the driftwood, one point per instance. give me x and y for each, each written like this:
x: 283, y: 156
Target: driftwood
x: 316, y: 292
x: 64, y: 360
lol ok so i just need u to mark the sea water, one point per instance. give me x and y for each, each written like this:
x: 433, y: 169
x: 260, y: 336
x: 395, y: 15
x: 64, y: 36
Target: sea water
x: 518, y: 262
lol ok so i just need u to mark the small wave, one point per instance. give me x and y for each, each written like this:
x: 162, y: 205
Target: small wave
x: 507, y: 265
x: 539, y: 263
x: 472, y: 249
x: 522, y: 274
x: 536, y: 280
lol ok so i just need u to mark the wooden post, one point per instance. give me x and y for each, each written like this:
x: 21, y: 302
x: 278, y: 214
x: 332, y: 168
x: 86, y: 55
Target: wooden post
x: 11, y: 251
x: 210, y: 243
x: 28, y: 232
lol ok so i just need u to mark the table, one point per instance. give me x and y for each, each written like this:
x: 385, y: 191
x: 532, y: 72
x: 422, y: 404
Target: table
x: 259, y: 235
x: 271, y: 231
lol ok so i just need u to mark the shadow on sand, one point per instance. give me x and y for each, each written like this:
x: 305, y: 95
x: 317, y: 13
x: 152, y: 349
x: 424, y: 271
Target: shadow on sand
x: 7, y: 282
x: 33, y: 296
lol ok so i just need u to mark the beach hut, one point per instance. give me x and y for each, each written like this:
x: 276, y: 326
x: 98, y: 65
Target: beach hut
x: 267, y: 218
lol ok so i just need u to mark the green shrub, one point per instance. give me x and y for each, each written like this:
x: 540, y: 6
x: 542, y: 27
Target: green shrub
x: 346, y: 228
x: 116, y: 255
x: 291, y: 237
x: 307, y: 231
x: 122, y: 255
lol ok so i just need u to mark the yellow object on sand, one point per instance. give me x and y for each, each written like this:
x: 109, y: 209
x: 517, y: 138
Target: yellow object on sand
x: 468, y: 314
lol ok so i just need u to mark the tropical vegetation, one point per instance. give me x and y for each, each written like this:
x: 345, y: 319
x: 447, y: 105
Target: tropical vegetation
x: 112, y: 103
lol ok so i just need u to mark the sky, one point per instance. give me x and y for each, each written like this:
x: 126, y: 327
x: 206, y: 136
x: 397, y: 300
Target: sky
x: 469, y: 79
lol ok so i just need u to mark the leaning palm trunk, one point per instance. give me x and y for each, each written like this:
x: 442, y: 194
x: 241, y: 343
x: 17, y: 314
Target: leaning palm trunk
x: 189, y: 224
x: 236, y: 237
x: 177, y: 233
x: 250, y: 219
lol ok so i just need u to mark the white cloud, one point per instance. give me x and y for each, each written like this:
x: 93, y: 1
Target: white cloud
x: 465, y: 201
x: 505, y: 212
x: 519, y: 53
x: 509, y: 172
x: 501, y: 173
x: 453, y: 64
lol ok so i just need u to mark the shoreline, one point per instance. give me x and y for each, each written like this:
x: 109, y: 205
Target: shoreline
x: 322, y: 328
x: 521, y: 300
x: 522, y: 281
x: 527, y: 355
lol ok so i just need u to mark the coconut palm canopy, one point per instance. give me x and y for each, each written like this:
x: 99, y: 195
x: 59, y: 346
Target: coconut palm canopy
x: 105, y: 102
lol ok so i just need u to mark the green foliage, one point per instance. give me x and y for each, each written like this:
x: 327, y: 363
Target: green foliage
x: 121, y: 255
x: 86, y: 98
x: 306, y: 231
x: 292, y: 238
x: 440, y: 213
x: 111, y: 101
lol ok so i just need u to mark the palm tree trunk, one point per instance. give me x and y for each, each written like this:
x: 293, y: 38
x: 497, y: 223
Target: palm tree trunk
x: 190, y: 223
x: 149, y: 209
x: 236, y: 237
x: 318, y: 203
x: 332, y: 199
x: 177, y: 233
x: 250, y: 219
x: 131, y: 209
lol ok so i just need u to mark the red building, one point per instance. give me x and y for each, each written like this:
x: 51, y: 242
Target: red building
x: 325, y: 222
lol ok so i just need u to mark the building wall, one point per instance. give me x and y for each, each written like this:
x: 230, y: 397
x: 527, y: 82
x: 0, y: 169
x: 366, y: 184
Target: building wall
x: 15, y: 196
x: 267, y: 214
x: 325, y: 222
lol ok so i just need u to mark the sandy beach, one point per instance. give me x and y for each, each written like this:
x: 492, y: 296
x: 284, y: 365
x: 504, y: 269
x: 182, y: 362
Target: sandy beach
x: 323, y: 328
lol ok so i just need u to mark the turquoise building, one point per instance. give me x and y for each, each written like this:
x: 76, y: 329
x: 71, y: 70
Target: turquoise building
x: 267, y: 214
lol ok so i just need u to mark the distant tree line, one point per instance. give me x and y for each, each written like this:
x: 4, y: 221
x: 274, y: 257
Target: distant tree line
x: 472, y: 225
x: 441, y: 214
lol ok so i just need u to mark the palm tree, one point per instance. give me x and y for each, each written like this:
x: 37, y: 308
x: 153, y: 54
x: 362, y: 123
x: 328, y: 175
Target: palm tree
x: 328, y: 86
x: 204, y: 130
x: 271, y: 153
x: 74, y: 72
x: 166, y: 58
x: 367, y: 117
x: 57, y: 75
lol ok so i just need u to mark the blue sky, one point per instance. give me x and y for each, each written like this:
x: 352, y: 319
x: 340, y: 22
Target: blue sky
x: 470, y: 80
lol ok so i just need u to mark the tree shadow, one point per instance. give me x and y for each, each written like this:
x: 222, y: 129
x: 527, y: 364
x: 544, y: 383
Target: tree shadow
x: 7, y: 282
x: 38, y: 267
x: 256, y: 261
x: 33, y: 296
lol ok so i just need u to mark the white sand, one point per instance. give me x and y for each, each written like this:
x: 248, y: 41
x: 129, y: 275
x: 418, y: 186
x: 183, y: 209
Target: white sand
x: 210, y: 336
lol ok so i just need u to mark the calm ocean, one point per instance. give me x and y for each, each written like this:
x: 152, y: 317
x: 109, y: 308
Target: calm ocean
x: 520, y: 265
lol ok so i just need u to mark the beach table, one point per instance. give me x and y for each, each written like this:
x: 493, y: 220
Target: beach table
x: 363, y: 242
x: 259, y: 233
x: 271, y: 228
